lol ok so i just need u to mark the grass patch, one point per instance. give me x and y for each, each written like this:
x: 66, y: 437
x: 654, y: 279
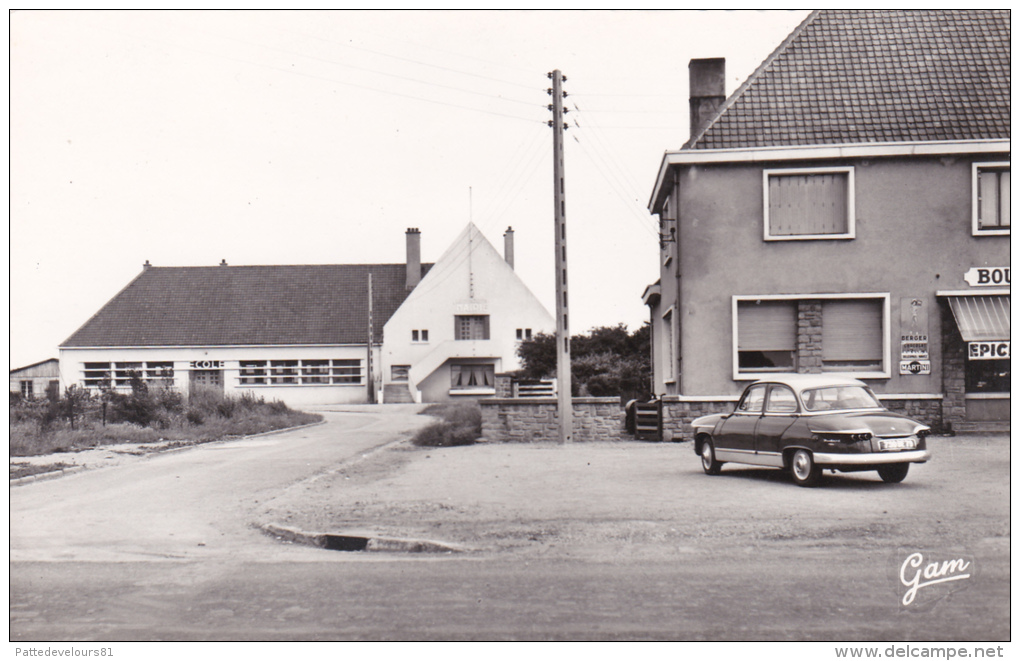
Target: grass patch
x: 459, y: 424
x: 40, y: 429
x: 26, y: 470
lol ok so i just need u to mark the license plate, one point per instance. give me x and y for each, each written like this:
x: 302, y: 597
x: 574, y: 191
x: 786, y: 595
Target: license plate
x: 898, y: 443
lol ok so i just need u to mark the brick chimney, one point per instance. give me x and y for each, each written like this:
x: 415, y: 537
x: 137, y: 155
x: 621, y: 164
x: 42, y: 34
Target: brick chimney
x: 508, y: 246
x: 413, y: 257
x: 708, y: 90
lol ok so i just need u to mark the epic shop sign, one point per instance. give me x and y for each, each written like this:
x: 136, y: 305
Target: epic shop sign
x: 988, y: 350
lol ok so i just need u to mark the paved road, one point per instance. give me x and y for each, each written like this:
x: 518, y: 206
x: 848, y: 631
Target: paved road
x: 163, y: 549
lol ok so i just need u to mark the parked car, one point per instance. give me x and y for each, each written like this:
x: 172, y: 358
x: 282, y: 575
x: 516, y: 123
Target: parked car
x: 807, y: 423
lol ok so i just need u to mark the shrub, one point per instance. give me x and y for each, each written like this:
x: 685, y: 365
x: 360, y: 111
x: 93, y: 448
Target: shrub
x: 461, y: 424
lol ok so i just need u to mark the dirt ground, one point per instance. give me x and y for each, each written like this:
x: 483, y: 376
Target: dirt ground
x: 652, y: 501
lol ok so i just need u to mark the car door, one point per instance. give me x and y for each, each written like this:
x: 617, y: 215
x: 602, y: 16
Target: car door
x: 737, y: 431
x: 781, y: 411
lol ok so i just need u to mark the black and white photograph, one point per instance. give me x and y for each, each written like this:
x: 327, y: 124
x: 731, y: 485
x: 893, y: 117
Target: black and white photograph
x: 339, y: 329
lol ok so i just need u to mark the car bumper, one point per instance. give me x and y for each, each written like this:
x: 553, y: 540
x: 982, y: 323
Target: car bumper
x: 873, y: 458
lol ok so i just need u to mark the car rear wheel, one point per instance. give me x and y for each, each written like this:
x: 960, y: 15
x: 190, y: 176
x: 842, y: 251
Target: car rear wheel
x: 708, y: 460
x: 805, y: 471
x: 893, y: 473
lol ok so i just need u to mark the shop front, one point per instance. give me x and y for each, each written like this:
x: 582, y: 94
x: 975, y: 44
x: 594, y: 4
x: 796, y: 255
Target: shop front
x: 976, y: 349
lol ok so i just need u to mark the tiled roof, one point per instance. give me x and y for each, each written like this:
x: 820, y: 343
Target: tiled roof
x: 849, y: 76
x: 247, y: 305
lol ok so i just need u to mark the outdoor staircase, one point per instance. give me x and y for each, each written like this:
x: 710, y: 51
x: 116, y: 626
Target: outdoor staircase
x: 397, y: 393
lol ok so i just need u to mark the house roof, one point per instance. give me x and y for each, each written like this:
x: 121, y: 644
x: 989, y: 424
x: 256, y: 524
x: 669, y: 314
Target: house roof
x: 247, y: 305
x: 28, y: 367
x: 852, y: 76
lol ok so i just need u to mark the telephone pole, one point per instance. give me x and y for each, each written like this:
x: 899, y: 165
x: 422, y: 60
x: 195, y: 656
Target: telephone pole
x: 370, y: 379
x: 565, y: 404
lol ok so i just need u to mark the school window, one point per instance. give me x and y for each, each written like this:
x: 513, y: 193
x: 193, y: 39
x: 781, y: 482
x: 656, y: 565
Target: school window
x: 253, y: 372
x: 991, y: 198
x: 472, y: 377
x: 471, y: 327
x: 283, y: 372
x: 767, y: 336
x: 813, y: 203
x: 108, y: 375
x: 26, y: 390
x: 347, y: 371
x: 314, y: 372
x: 421, y: 335
x: 523, y: 334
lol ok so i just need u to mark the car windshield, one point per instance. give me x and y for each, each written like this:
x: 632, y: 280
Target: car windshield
x: 838, y: 398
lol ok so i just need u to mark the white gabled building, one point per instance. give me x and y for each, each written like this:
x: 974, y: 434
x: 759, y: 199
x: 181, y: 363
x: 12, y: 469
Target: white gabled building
x: 461, y: 325
x: 299, y: 333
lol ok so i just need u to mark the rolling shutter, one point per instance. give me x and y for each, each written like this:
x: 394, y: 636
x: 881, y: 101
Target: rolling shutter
x: 852, y: 331
x: 767, y: 326
x: 808, y: 204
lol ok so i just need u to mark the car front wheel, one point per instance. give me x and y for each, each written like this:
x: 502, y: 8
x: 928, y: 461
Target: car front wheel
x: 893, y: 473
x: 805, y: 471
x: 708, y: 460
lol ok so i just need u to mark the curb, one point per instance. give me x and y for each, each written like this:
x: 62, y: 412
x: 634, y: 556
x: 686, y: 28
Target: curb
x: 51, y: 475
x: 345, y: 542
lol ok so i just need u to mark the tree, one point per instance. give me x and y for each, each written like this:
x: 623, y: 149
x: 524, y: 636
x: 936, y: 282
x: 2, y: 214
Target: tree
x: 608, y: 361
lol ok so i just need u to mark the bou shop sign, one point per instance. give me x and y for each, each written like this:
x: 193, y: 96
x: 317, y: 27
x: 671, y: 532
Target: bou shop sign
x: 987, y: 276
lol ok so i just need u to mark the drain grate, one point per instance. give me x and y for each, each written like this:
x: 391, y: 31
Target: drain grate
x: 345, y: 543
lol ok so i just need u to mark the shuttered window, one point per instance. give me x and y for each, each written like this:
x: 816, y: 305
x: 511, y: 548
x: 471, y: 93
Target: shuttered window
x: 852, y: 336
x: 767, y: 336
x: 809, y: 204
x: 993, y: 189
x: 471, y: 327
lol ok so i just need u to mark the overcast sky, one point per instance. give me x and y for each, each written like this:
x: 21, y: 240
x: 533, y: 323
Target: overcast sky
x: 184, y: 138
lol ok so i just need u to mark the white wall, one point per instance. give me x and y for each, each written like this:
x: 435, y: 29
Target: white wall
x: 470, y: 278
x: 72, y: 363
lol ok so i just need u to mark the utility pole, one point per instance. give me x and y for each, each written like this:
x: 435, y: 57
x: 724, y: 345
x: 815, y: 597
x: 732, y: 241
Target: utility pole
x: 370, y: 378
x: 565, y: 404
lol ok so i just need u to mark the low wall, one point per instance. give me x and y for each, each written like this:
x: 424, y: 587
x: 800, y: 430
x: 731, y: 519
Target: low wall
x: 536, y: 420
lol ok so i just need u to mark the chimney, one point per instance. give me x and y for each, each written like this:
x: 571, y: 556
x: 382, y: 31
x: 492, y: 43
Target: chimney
x: 508, y: 246
x: 146, y: 266
x: 413, y: 257
x: 708, y: 90
x: 223, y: 263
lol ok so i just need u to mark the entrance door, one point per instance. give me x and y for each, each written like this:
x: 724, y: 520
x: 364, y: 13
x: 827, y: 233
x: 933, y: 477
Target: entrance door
x: 211, y: 379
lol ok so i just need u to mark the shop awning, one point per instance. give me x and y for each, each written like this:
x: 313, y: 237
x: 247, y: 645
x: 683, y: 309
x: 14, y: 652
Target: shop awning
x: 981, y: 318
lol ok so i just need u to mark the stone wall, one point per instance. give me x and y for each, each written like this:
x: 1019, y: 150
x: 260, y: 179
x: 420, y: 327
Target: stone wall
x: 536, y: 420
x: 677, y: 416
x: 809, y: 336
x: 954, y: 371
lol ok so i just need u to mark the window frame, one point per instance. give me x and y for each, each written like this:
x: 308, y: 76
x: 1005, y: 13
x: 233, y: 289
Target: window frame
x: 851, y: 224
x: 975, y: 171
x: 669, y: 333
x: 884, y: 373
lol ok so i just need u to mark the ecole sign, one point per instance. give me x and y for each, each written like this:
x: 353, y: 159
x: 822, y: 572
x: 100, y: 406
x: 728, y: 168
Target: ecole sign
x: 206, y: 364
x: 987, y: 276
x: 988, y: 351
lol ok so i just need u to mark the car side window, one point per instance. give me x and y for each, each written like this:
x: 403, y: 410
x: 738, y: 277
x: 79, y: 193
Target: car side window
x: 752, y: 400
x: 781, y: 400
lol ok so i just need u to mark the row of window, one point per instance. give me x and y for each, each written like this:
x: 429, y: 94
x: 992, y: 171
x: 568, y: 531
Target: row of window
x: 119, y: 375
x: 818, y: 203
x: 850, y: 338
x: 463, y: 376
x: 346, y: 371
x: 469, y: 327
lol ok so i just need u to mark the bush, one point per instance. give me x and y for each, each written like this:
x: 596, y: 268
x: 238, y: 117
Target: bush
x: 461, y: 424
